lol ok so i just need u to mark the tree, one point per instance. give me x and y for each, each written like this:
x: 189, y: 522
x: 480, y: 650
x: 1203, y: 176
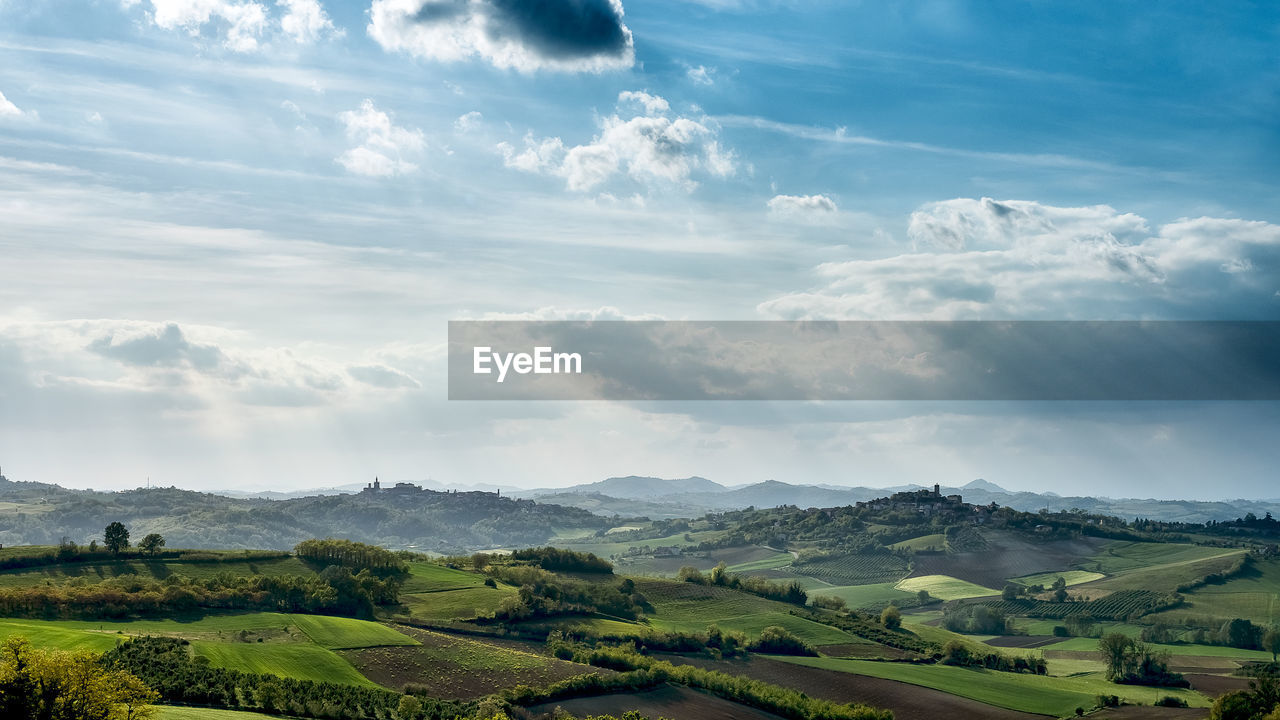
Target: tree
x: 116, y: 537
x: 151, y: 544
x: 1271, y: 642
x: 891, y: 617
x: 1010, y: 592
x: 1240, y: 633
x: 1116, y: 649
x: 37, y: 684
x: 923, y: 597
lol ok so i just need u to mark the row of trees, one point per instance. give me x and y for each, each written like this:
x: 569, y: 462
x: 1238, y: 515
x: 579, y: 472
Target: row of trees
x: 789, y: 592
x: 334, y: 591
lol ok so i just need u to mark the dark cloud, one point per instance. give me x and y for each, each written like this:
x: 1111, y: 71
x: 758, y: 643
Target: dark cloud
x: 560, y: 29
x: 522, y: 34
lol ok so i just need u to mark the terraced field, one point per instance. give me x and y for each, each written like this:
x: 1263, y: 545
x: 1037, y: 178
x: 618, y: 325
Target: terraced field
x: 859, y: 569
x: 451, y: 666
x: 688, y: 607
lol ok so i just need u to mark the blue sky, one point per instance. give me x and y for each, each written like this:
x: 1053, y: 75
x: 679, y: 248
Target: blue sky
x: 232, y: 231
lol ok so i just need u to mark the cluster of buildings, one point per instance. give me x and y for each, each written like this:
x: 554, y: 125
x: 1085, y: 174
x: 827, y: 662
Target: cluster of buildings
x: 925, y: 502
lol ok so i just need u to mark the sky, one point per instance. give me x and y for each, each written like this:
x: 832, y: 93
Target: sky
x: 232, y: 232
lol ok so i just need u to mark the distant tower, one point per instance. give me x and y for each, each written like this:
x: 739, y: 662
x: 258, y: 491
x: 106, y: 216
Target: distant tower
x: 937, y: 489
x: 376, y: 485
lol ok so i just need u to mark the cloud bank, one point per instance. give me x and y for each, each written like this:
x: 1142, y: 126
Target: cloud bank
x: 984, y: 259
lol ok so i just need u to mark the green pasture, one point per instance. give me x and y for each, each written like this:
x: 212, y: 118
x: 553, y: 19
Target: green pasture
x: 944, y: 587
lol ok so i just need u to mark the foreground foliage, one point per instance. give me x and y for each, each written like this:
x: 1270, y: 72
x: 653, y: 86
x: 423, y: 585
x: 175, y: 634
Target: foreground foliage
x: 55, y: 685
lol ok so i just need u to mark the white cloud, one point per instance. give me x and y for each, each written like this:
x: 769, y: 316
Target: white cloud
x: 242, y: 25
x: 8, y: 109
x: 701, y: 75
x: 802, y: 206
x: 240, y: 22
x: 467, y: 121
x: 650, y: 148
x: 652, y: 104
x: 568, y: 35
x: 381, y: 146
x: 983, y: 259
x: 306, y: 21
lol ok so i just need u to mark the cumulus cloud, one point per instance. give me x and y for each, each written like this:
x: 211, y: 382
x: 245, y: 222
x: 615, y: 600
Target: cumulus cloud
x: 988, y: 259
x: 650, y: 148
x: 305, y: 21
x: 569, y: 35
x: 242, y: 25
x: 381, y: 147
x: 802, y: 206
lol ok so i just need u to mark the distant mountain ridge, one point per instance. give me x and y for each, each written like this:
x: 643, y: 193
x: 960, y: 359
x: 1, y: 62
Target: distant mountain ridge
x: 684, y: 499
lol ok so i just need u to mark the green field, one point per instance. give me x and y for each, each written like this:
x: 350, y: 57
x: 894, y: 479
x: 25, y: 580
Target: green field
x: 290, y: 645
x: 858, y: 596
x: 336, y: 633
x: 1072, y: 577
x: 945, y: 587
x: 687, y: 607
x: 465, y: 603
x: 1123, y: 556
x: 607, y: 549
x: 170, y: 712
x: 1091, y: 645
x: 773, y: 562
x: 937, y: 541
x: 425, y: 577
x: 302, y: 661
x: 1254, y: 595
x: 1045, y: 695
x: 157, y: 570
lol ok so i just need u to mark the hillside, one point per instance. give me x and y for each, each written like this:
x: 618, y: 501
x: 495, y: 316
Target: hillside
x: 40, y: 514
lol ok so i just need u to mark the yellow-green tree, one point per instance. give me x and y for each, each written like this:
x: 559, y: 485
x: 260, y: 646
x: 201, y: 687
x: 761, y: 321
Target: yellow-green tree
x: 57, y: 685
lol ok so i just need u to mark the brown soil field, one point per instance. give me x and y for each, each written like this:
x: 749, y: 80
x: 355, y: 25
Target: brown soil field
x: 908, y: 702
x: 676, y: 703
x: 1215, y: 685
x: 1007, y: 556
x: 459, y: 667
x: 1022, y: 641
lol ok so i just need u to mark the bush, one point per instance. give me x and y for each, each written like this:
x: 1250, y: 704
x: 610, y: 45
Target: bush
x: 777, y: 640
x: 891, y: 617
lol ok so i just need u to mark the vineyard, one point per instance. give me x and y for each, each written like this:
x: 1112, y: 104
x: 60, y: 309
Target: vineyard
x: 1119, y: 605
x: 856, y: 569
